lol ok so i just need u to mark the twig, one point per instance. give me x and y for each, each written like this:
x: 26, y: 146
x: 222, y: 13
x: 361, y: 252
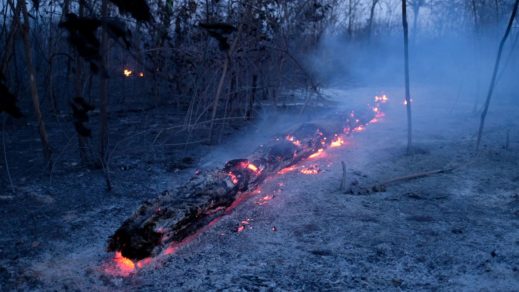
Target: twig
x: 415, y: 176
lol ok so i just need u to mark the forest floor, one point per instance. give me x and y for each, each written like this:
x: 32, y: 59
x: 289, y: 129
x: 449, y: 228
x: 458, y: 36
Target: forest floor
x: 452, y: 231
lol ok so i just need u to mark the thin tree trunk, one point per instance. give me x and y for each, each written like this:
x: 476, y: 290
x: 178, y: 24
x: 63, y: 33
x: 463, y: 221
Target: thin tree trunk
x: 9, y: 48
x: 371, y: 16
x: 47, y: 153
x: 494, y: 74
x: 103, y: 94
x: 220, y: 84
x: 407, y: 90
x: 82, y: 143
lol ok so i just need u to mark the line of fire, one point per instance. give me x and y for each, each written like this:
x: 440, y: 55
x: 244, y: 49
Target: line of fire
x: 162, y: 225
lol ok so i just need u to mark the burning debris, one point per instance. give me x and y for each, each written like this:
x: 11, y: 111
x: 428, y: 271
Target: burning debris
x: 162, y: 223
x: 311, y: 170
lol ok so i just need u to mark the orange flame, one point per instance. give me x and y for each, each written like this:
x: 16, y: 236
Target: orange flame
x: 382, y: 99
x: 127, y: 72
x: 311, y: 170
x: 359, y: 129
x: 234, y: 178
x: 287, y: 169
x: 293, y: 140
x: 337, y: 142
x: 120, y: 266
x: 252, y: 167
x: 316, y: 154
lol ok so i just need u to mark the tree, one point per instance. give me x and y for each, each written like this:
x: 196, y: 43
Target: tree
x: 407, y: 90
x: 47, y: 152
x: 494, y: 74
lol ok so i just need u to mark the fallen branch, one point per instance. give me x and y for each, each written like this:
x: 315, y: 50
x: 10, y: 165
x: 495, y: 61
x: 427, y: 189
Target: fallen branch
x: 381, y: 187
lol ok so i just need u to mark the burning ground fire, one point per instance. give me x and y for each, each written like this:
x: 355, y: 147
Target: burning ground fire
x: 240, y: 169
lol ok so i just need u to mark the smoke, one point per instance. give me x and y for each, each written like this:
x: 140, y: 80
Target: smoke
x: 460, y: 60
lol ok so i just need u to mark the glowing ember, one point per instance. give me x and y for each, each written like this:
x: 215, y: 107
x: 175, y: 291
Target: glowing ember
x: 143, y: 262
x: 293, y: 140
x: 141, y: 74
x: 243, y: 225
x: 359, y: 129
x: 382, y: 99
x: 127, y: 72
x: 337, y: 142
x: 287, y: 169
x: 311, y: 170
x: 252, y: 167
x: 264, y: 200
x: 120, y: 266
x: 316, y: 154
x: 234, y: 178
x: 170, y: 250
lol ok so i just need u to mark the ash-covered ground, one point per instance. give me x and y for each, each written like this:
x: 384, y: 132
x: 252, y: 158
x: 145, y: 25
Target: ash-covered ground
x: 452, y: 231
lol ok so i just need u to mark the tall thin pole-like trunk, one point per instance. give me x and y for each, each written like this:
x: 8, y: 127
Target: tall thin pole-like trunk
x: 47, y: 153
x: 103, y: 95
x: 103, y: 87
x: 219, y: 89
x: 78, y: 90
x: 407, y: 90
x: 494, y: 74
x: 371, y: 16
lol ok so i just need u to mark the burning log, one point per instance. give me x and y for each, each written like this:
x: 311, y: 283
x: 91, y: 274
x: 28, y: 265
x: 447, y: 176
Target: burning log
x: 172, y: 217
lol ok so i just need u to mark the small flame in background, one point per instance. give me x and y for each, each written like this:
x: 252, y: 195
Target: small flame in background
x: 127, y: 72
x: 123, y: 267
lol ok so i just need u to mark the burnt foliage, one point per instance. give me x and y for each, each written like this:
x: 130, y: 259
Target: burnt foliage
x: 220, y: 32
x: 8, y: 101
x: 138, y: 9
x: 82, y: 35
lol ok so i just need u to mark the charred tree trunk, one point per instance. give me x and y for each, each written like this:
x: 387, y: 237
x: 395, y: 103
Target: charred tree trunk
x: 47, y: 152
x: 494, y: 74
x: 78, y: 84
x: 407, y: 90
x: 172, y: 217
x: 103, y: 94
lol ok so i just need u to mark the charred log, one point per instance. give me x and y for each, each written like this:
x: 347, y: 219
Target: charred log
x: 174, y: 216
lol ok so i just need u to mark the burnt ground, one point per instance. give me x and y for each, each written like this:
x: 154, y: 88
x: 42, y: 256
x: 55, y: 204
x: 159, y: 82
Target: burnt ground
x: 453, y: 231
